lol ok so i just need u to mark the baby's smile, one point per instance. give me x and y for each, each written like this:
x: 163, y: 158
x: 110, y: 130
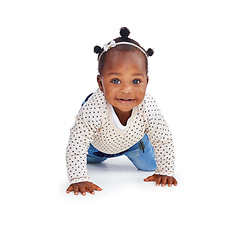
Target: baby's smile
x: 124, y: 80
x: 125, y: 100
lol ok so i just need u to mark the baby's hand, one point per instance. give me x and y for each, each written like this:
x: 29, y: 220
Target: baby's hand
x: 83, y: 187
x: 162, y: 179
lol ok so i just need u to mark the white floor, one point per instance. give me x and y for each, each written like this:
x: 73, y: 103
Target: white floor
x: 127, y: 207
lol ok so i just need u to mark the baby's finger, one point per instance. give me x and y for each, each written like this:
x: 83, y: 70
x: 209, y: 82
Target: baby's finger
x: 90, y: 190
x: 69, y: 189
x: 96, y: 187
x: 82, y: 191
x: 158, y: 181
x: 164, y: 181
x: 175, y: 182
x: 170, y: 182
x: 148, y: 179
x: 75, y: 189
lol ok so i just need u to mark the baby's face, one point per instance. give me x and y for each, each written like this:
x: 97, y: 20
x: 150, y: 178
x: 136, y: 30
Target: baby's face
x: 124, y: 79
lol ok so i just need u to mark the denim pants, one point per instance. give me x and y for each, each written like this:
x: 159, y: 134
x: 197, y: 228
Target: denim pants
x: 141, y: 154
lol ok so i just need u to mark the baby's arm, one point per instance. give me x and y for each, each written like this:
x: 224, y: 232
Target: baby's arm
x: 81, y: 135
x: 161, y: 139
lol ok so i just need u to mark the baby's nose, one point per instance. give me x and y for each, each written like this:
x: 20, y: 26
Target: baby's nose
x: 127, y: 88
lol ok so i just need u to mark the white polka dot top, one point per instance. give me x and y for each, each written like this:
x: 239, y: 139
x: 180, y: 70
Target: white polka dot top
x: 95, y: 124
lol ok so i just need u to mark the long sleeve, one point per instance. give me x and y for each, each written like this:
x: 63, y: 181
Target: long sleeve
x: 161, y: 139
x: 81, y: 135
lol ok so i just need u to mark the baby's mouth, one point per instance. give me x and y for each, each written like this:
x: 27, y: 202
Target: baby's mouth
x: 125, y: 100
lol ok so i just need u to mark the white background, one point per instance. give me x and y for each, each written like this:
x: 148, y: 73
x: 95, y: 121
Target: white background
x: 47, y: 68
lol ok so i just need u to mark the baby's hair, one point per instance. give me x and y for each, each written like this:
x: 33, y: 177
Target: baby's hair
x: 123, y: 43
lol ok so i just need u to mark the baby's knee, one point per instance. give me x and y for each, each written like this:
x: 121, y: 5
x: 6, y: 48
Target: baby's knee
x: 147, y: 168
x: 146, y: 164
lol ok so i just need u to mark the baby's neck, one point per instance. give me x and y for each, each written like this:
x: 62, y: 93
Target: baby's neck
x: 122, y: 116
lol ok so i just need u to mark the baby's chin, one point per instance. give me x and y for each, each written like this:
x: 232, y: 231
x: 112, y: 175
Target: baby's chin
x: 123, y: 109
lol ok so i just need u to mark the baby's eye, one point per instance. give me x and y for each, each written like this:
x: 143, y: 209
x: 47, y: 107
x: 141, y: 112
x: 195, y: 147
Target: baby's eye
x: 116, y: 81
x: 136, y: 81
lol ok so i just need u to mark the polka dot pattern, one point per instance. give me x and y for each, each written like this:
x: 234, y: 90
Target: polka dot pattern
x: 94, y: 124
x: 161, y: 139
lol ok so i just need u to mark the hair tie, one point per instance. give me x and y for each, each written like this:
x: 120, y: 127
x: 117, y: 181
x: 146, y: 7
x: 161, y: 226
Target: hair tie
x: 97, y: 49
x: 124, y: 32
x: 150, y: 52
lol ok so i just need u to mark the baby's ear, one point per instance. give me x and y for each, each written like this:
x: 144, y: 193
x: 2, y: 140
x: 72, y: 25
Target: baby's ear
x: 99, y: 80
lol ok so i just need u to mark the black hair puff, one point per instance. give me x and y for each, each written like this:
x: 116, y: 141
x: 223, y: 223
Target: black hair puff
x: 124, y: 32
x: 150, y: 52
x: 97, y: 49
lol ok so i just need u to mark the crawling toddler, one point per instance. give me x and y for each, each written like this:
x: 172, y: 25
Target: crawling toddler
x: 120, y: 118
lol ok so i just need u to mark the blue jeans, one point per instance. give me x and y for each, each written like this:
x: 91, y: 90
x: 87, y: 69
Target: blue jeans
x: 141, y: 154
